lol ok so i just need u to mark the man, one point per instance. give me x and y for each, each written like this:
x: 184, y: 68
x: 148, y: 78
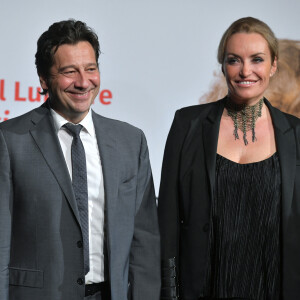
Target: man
x: 77, y: 206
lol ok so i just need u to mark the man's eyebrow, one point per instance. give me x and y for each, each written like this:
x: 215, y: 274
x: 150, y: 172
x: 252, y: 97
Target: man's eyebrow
x: 92, y: 65
x: 61, y: 69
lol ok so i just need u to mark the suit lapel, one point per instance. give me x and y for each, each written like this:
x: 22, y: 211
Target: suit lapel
x: 47, y: 141
x: 210, y: 140
x: 109, y: 160
x: 286, y: 148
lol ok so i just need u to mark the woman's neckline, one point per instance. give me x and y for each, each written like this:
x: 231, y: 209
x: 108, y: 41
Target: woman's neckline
x: 250, y: 163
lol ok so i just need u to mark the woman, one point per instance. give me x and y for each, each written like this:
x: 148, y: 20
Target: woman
x: 229, y: 203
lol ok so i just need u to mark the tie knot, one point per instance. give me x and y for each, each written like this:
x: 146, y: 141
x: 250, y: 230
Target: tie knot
x: 73, y: 129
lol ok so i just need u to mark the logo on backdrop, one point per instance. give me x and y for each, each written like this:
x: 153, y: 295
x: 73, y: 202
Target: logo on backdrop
x: 32, y: 95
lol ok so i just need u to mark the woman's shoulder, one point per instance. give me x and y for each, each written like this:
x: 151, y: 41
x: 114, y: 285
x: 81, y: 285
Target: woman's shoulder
x: 197, y: 111
x: 292, y: 119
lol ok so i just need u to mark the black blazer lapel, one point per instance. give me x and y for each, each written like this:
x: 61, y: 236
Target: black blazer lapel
x: 286, y: 148
x: 47, y: 141
x: 210, y: 140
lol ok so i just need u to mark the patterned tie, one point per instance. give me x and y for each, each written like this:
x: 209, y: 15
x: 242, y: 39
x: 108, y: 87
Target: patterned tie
x: 79, y: 182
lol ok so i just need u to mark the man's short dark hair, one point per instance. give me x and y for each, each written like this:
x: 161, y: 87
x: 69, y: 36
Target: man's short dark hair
x: 59, y: 33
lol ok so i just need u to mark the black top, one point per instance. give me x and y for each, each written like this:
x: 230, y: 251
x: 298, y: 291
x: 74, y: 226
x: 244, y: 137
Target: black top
x: 244, y: 259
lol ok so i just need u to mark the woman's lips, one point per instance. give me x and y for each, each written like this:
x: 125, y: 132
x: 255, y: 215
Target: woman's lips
x: 246, y: 83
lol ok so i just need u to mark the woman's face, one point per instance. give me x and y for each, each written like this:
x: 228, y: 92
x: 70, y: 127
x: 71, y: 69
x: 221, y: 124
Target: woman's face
x: 247, y: 67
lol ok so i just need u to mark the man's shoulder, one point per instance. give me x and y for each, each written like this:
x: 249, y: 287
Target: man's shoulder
x: 120, y: 127
x: 23, y: 121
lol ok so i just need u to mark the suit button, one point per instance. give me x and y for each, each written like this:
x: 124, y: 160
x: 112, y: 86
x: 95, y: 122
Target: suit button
x: 206, y: 227
x: 79, y: 244
x: 80, y: 281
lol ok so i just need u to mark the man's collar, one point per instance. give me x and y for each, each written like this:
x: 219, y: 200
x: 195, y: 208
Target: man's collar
x: 87, y: 122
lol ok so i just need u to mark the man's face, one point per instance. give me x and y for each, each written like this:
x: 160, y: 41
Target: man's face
x: 74, y: 82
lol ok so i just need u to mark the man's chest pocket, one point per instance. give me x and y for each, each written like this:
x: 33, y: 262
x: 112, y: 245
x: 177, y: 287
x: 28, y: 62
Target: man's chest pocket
x: 127, y: 198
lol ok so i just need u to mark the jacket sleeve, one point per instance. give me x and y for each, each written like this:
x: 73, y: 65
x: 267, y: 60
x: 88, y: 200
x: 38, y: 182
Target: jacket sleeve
x: 168, y: 208
x: 144, y: 264
x: 5, y: 217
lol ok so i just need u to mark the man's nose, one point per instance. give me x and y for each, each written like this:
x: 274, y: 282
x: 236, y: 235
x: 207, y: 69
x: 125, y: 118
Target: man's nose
x: 81, y: 80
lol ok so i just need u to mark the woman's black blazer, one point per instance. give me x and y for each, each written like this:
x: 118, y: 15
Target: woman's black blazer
x: 187, y: 187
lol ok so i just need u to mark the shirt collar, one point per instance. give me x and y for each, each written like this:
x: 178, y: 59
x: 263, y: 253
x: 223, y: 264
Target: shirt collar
x: 87, y: 122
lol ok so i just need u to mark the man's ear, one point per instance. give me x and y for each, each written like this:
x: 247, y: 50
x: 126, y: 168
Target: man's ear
x: 43, y: 83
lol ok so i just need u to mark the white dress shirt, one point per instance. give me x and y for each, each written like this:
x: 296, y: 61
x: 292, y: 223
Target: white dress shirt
x: 95, y: 189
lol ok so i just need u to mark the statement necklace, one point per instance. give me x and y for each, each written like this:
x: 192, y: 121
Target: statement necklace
x: 244, y: 117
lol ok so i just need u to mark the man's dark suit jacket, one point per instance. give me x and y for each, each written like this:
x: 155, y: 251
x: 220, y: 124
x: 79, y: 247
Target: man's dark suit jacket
x: 187, y: 187
x: 40, y: 257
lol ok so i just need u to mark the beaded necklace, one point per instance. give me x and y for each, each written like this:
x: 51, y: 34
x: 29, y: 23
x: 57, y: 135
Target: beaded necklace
x: 244, y: 117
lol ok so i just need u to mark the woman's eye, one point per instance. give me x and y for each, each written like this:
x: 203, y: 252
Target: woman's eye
x: 257, y: 59
x: 232, y: 60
